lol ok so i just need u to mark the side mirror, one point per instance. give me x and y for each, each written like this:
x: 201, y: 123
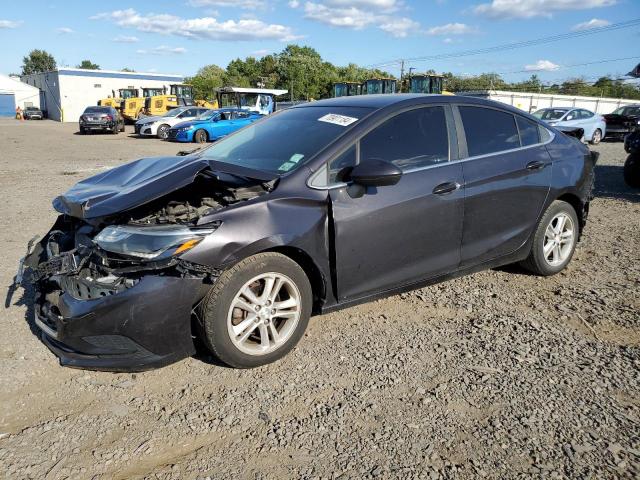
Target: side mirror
x: 570, y: 117
x: 375, y: 173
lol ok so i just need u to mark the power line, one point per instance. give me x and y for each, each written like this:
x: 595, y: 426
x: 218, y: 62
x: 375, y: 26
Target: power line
x: 515, y: 45
x: 563, y: 67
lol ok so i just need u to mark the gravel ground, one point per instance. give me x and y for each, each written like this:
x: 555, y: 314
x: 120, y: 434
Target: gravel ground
x: 499, y: 375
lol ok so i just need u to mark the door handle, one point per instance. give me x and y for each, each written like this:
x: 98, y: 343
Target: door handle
x: 535, y: 165
x: 445, y: 188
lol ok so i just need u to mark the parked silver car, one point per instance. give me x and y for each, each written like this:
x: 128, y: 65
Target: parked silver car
x: 594, y: 126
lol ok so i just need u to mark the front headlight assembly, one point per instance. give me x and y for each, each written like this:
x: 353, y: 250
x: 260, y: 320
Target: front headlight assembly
x: 151, y: 243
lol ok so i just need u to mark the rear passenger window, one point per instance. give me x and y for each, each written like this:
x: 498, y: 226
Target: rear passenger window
x: 412, y: 139
x: 529, y: 134
x: 488, y: 130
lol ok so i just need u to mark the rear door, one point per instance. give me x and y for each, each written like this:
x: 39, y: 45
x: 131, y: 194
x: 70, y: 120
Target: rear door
x: 391, y: 236
x: 507, y: 176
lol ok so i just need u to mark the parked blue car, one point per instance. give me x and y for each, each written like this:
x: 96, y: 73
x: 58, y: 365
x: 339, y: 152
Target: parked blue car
x: 212, y: 125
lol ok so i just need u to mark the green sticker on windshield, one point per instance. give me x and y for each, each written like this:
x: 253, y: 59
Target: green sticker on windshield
x: 285, y: 167
x: 296, y: 157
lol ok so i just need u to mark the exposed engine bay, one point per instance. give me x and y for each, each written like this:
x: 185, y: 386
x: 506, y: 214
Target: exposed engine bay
x: 70, y: 259
x: 203, y: 197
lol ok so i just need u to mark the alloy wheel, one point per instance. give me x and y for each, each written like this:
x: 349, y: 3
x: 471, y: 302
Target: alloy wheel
x: 597, y: 136
x: 559, y: 238
x: 264, y: 313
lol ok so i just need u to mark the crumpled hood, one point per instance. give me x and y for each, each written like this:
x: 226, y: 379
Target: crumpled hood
x: 128, y: 186
x: 136, y: 183
x: 189, y: 123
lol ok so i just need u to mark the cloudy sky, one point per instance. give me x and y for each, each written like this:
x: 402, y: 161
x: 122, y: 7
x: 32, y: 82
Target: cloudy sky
x: 179, y: 36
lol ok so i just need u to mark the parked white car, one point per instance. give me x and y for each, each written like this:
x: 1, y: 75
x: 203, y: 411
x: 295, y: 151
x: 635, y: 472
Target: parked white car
x: 159, y: 126
x: 594, y: 125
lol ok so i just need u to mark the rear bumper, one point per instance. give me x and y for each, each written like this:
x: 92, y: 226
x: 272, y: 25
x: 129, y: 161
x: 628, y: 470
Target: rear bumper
x: 143, y: 327
x: 98, y: 126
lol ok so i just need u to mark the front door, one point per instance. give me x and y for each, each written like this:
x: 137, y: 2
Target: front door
x: 387, y: 237
x: 507, y: 179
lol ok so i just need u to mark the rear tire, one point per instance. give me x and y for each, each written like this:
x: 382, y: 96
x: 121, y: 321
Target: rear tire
x: 239, y: 327
x: 83, y: 131
x: 554, y: 240
x: 163, y: 131
x: 115, y: 129
x: 596, y: 137
x: 200, y: 136
x: 632, y: 171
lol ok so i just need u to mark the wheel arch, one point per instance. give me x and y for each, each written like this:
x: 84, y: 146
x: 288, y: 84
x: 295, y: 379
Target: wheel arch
x: 578, y: 205
x: 206, y: 134
x: 313, y: 272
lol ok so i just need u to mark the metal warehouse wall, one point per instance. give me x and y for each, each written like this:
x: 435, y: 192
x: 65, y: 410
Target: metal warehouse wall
x: 49, y: 87
x: 530, y: 102
x: 81, y: 89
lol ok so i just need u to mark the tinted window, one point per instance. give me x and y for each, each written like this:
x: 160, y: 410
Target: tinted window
x: 529, y: 134
x: 340, y: 165
x: 488, y: 130
x: 416, y: 138
x: 98, y: 110
x: 572, y: 115
x: 242, y: 114
x: 586, y: 114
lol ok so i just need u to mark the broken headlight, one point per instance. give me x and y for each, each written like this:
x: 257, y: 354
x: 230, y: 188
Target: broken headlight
x: 152, y: 243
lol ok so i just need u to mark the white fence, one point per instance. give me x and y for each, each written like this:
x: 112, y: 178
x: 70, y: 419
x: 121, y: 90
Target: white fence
x: 530, y: 102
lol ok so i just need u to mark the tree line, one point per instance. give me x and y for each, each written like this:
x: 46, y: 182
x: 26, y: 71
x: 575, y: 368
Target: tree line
x: 307, y: 76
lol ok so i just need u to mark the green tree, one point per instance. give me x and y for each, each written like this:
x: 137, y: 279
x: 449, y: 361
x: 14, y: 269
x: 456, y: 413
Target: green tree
x: 38, y: 61
x: 206, y: 80
x: 88, y: 65
x: 127, y: 69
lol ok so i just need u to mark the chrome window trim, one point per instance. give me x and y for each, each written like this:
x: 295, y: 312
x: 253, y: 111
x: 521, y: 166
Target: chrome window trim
x: 552, y: 136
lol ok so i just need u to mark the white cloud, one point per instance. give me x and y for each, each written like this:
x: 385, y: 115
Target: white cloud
x: 399, y: 27
x: 198, y: 28
x: 593, y: 23
x: 294, y: 3
x: 10, y: 23
x: 64, y: 30
x: 535, y: 8
x: 542, y: 65
x: 244, y: 4
x: 163, y: 50
x: 452, y: 29
x: 126, y: 39
x: 359, y: 14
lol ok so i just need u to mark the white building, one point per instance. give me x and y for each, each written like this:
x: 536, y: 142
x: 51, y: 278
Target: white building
x: 66, y: 92
x: 14, y: 93
x: 530, y: 102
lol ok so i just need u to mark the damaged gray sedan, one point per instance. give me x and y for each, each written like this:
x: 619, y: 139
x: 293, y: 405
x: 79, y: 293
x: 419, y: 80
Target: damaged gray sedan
x: 318, y: 207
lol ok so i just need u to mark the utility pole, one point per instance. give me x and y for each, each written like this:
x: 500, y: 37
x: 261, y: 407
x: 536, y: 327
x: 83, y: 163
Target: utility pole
x: 401, y: 74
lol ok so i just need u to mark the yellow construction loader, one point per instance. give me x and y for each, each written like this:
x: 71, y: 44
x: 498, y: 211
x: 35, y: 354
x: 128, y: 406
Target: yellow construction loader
x: 116, y: 101
x: 179, y: 95
x: 133, y: 108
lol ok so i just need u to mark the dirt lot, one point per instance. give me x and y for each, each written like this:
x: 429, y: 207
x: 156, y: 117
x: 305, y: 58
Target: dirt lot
x: 499, y: 375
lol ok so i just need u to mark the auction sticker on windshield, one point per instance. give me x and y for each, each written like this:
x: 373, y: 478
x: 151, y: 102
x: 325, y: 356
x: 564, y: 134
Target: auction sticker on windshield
x: 336, y: 119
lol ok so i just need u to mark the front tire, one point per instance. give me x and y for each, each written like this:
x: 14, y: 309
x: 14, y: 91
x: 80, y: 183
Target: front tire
x: 596, y: 138
x: 554, y: 240
x: 163, y: 131
x: 200, y: 136
x: 257, y: 311
x: 632, y: 171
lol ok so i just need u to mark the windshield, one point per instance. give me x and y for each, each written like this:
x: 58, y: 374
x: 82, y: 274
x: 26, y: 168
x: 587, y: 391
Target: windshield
x: 207, y: 114
x: 550, y: 113
x: 630, y: 111
x: 175, y: 111
x: 97, y: 110
x: 285, y: 141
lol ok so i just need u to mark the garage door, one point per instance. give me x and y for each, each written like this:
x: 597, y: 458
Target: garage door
x: 7, y: 105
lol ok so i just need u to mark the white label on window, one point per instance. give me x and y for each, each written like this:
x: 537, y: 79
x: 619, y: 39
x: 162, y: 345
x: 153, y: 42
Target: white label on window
x: 336, y: 119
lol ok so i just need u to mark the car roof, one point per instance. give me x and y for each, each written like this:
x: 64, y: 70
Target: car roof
x: 380, y: 101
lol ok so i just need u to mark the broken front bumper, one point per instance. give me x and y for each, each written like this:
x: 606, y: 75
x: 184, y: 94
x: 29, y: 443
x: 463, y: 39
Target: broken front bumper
x: 145, y: 326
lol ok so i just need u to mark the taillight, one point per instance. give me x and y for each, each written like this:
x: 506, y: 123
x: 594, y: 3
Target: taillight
x: 109, y: 117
